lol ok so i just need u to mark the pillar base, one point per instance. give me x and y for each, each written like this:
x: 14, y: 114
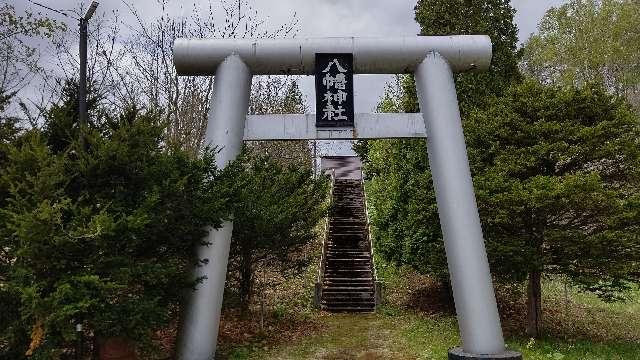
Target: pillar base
x: 458, y: 354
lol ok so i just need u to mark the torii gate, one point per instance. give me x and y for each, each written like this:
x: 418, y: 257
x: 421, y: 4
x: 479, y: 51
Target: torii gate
x: 433, y: 60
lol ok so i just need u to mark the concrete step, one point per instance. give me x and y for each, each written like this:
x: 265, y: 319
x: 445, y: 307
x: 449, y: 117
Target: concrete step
x: 342, y: 234
x: 363, y: 303
x: 339, y: 236
x: 348, y: 265
x: 341, y: 261
x: 356, y: 288
x: 347, y: 249
x: 355, y: 241
x: 355, y: 275
x: 348, y: 280
x: 348, y: 309
x: 344, y: 249
x: 365, y: 299
x: 339, y: 265
x: 342, y: 296
x: 341, y: 257
x: 345, y: 268
x: 341, y: 290
x: 347, y: 229
x: 348, y: 289
x: 347, y: 221
x: 349, y: 271
x: 346, y: 245
x: 334, y: 254
x: 339, y: 247
x: 355, y: 253
x: 337, y: 253
x: 333, y: 264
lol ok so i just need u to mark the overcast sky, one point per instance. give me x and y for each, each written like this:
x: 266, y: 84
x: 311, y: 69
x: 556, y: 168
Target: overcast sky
x: 319, y: 18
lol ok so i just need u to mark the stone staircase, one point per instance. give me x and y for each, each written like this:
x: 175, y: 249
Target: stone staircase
x: 348, y: 283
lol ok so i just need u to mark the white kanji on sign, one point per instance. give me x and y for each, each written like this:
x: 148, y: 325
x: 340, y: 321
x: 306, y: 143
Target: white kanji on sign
x: 337, y: 64
x: 334, y: 89
x: 339, y: 81
x: 331, y: 113
x: 340, y: 97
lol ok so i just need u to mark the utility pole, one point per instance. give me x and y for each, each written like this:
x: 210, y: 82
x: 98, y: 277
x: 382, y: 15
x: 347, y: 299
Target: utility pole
x: 82, y: 82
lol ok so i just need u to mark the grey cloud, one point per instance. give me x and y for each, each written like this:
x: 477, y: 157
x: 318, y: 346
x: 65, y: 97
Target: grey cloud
x: 529, y: 13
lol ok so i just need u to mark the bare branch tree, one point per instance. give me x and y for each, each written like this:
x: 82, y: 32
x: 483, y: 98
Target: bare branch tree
x: 19, y: 58
x: 186, y: 99
x: 131, y: 60
x: 279, y: 95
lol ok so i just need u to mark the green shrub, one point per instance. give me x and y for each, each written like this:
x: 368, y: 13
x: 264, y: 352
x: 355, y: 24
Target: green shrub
x: 102, y: 237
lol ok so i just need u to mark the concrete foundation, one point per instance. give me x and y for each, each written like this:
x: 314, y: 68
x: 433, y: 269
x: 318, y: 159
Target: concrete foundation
x: 459, y: 354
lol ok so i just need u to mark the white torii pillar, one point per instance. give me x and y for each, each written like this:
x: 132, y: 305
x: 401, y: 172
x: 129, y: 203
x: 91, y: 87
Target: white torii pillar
x: 225, y: 130
x: 433, y: 60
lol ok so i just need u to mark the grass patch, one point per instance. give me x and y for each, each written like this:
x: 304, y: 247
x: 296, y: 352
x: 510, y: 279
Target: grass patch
x: 572, y: 315
x: 413, y: 325
x: 415, y: 336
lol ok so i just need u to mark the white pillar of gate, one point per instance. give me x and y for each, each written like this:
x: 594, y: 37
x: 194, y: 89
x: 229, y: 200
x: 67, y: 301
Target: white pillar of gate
x: 466, y: 255
x: 225, y: 131
x: 433, y: 59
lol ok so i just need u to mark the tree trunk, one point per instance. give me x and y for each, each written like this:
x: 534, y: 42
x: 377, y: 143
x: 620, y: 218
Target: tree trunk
x: 446, y: 294
x: 534, y: 304
x: 246, y: 280
x: 95, y: 349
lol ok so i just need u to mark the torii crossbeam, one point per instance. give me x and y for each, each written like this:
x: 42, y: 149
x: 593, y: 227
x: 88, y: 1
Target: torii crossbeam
x: 433, y: 60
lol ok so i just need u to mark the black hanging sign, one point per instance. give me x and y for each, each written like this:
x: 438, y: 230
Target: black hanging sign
x: 334, y: 90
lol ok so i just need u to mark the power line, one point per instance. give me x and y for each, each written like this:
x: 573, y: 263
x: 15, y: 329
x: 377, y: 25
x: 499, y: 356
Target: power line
x: 54, y: 10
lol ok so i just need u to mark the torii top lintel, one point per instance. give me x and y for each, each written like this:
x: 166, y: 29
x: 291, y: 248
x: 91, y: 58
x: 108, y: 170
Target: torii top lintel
x: 296, y: 56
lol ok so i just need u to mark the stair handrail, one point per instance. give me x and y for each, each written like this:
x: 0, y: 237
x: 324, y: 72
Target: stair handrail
x: 369, y: 237
x: 325, y: 239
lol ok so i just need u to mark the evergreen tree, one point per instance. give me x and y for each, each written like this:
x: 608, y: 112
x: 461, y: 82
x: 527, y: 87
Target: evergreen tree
x: 276, y: 211
x: 554, y: 174
x: 404, y: 212
x: 13, y: 336
x: 101, y: 237
x: 62, y: 128
x: 469, y: 17
x: 557, y: 182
